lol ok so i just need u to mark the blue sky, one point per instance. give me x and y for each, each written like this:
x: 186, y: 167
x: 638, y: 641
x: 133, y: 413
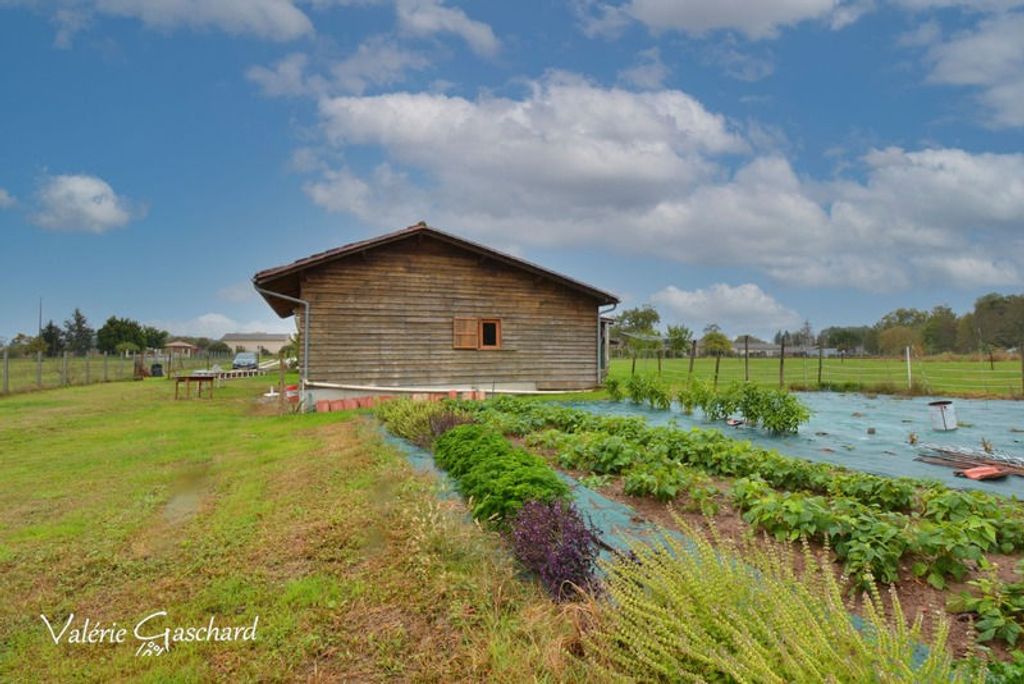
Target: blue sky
x: 742, y: 162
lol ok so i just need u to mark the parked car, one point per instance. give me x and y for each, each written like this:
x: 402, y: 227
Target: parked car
x: 245, y: 361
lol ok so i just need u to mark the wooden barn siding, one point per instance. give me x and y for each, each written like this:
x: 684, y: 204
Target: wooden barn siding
x: 386, y: 319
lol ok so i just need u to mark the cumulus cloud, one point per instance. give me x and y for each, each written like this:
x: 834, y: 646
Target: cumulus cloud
x: 216, y: 325
x: 658, y: 174
x: 431, y: 17
x: 989, y: 57
x: 271, y: 19
x: 81, y: 203
x: 6, y: 199
x: 741, y: 309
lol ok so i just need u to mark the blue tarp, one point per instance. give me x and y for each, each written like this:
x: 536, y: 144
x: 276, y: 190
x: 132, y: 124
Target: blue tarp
x: 838, y: 433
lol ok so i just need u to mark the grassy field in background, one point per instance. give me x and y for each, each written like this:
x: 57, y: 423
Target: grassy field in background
x: 24, y: 372
x: 117, y: 501
x: 955, y: 378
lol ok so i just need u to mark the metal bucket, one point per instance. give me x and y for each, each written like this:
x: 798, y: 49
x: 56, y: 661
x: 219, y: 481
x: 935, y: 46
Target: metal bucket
x: 943, y: 415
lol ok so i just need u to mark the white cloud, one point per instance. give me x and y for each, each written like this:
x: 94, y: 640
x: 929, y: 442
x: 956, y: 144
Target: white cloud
x: 272, y: 19
x: 6, y: 199
x: 430, y: 17
x: 741, y: 309
x: 754, y: 18
x: 989, y: 57
x: 378, y: 61
x: 81, y: 203
x: 216, y: 325
x: 648, y: 73
x: 650, y: 173
x: 286, y: 78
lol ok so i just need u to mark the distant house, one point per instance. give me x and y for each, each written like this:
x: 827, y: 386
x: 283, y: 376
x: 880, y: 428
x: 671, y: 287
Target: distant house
x: 180, y: 348
x: 423, y: 310
x: 269, y: 343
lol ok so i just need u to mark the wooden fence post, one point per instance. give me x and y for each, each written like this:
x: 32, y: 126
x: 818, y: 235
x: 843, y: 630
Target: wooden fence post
x: 693, y: 355
x: 87, y: 375
x: 106, y: 376
x: 632, y: 370
x: 280, y: 367
x: 7, y: 374
x: 64, y: 370
x: 821, y: 354
x: 782, y: 363
x: 746, y: 358
x: 718, y: 360
x: 659, y: 362
x: 39, y: 370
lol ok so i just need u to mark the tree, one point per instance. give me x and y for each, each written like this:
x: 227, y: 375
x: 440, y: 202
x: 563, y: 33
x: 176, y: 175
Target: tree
x: 26, y: 345
x: 155, y: 337
x: 967, y: 340
x: 679, y: 339
x: 77, y: 333
x: 53, y: 338
x: 117, y: 331
x: 895, y: 339
x: 940, y: 330
x: 219, y: 347
x: 845, y: 339
x: 715, y: 343
x: 908, y: 318
x: 637, y: 326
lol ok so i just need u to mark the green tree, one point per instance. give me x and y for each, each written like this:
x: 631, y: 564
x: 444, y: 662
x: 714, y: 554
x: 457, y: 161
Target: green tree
x: 26, y: 345
x: 53, y: 338
x: 155, y: 337
x: 679, y: 338
x: 940, y: 330
x: 893, y: 340
x: 117, y: 331
x: 967, y: 340
x: 77, y: 333
x: 907, y: 318
x: 637, y: 326
x: 845, y: 339
x: 715, y: 343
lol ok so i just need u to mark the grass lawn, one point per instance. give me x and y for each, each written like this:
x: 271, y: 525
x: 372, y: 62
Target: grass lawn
x: 956, y: 378
x: 117, y: 502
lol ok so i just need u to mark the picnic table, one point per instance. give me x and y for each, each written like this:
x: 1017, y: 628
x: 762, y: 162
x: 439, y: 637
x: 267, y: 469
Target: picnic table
x: 200, y: 378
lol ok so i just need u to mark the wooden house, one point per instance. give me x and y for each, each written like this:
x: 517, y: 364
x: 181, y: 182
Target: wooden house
x: 422, y: 310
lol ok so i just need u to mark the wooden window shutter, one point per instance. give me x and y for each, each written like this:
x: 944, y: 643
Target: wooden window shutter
x: 466, y: 333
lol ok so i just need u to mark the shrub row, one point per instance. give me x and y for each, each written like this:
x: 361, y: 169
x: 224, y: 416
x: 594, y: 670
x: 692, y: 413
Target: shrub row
x: 494, y: 476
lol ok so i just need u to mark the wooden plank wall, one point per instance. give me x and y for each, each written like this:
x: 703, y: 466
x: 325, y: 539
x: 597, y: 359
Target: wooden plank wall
x: 385, y: 318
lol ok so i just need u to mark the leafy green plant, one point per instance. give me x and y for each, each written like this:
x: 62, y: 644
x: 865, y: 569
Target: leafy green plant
x: 595, y: 481
x: 998, y: 605
x: 614, y: 388
x: 412, y: 419
x: 496, y: 477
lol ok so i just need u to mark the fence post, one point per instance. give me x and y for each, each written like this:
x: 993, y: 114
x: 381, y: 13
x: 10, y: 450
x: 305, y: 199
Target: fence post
x: 88, y: 378
x: 746, y: 358
x: 7, y: 373
x: 693, y: 355
x: 64, y: 370
x: 39, y: 370
x: 821, y: 354
x: 106, y: 377
x: 718, y: 360
x: 910, y: 375
x: 782, y: 363
x: 659, y: 362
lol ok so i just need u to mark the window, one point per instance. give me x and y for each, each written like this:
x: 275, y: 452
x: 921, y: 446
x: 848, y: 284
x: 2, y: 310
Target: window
x: 476, y: 333
x: 490, y: 333
x: 466, y: 334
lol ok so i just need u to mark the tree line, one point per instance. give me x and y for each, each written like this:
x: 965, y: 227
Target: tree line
x: 116, y: 336
x: 996, y: 322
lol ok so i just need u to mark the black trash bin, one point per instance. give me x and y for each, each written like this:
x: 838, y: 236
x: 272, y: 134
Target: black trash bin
x: 157, y: 370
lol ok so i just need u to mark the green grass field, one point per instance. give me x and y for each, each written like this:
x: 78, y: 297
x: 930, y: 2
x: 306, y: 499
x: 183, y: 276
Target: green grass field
x: 26, y: 374
x: 955, y: 378
x: 117, y: 501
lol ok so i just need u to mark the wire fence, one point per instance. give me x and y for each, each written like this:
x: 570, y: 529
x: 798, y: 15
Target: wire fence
x: 965, y: 376
x: 29, y: 373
